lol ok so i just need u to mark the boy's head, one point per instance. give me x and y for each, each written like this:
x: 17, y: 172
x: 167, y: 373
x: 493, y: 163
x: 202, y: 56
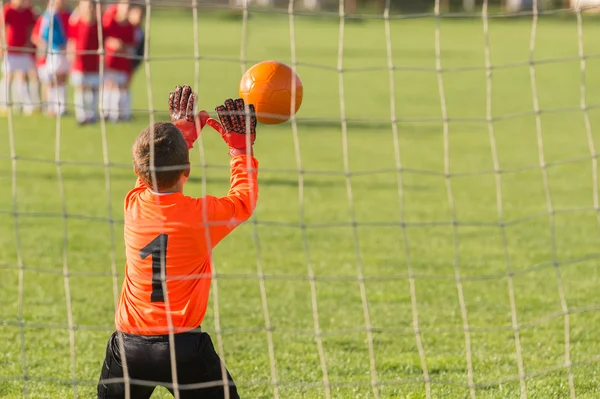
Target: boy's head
x: 171, y: 158
x: 135, y: 16
x: 122, y: 11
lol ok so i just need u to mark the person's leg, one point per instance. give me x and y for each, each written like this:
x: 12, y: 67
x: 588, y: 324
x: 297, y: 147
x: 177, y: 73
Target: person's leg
x: 51, y: 109
x: 112, y: 369
x: 34, y: 89
x: 120, y: 99
x: 80, y: 106
x: 19, y: 65
x: 125, y: 99
x: 124, y: 104
x: 22, y: 89
x: 52, y: 75
x: 198, y: 362
x: 64, y: 78
x: 30, y: 79
x: 110, y: 98
x: 115, y: 100
x: 19, y: 90
x: 5, y: 87
x: 44, y: 87
x: 79, y: 100
x: 61, y: 92
x: 106, y: 94
x: 91, y: 96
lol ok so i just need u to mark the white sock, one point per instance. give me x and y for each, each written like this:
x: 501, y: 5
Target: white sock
x: 80, y: 106
x: 15, y: 94
x: 52, y: 100
x: 115, y: 100
x: 34, y: 94
x: 3, y: 92
x: 44, y: 97
x: 125, y: 103
x: 93, y: 103
x: 62, y: 98
x: 106, y: 105
x: 23, y: 90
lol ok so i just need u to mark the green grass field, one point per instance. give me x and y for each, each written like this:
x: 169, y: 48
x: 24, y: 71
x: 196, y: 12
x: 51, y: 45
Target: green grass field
x: 445, y: 232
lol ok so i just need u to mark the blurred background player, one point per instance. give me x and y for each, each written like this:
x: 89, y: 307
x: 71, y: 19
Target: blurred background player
x: 135, y: 17
x: 53, y: 33
x: 118, y: 44
x: 85, y: 68
x: 17, y: 21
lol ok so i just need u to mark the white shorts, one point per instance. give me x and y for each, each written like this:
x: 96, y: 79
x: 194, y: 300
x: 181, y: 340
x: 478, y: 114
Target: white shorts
x: 56, y: 64
x: 91, y: 79
x: 117, y: 77
x: 15, y: 62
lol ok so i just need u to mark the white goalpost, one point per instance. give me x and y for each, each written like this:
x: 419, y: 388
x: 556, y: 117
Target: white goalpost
x: 411, y: 252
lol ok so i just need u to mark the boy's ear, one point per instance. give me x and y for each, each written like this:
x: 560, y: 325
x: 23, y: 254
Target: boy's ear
x: 185, y: 175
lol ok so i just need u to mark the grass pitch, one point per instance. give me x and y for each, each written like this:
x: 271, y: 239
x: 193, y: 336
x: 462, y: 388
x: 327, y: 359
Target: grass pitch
x: 460, y: 238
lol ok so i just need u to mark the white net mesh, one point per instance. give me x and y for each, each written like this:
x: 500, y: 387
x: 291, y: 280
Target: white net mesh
x: 427, y: 225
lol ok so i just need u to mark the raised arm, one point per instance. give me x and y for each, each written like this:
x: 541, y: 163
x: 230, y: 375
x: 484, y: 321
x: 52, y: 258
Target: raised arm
x: 223, y: 214
x: 237, y: 127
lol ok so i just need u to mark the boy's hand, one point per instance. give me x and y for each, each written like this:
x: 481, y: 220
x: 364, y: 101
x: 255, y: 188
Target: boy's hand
x: 237, y: 127
x: 182, y: 104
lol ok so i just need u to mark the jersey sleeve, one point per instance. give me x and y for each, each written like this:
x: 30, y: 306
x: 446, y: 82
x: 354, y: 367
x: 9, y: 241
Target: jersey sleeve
x: 223, y: 214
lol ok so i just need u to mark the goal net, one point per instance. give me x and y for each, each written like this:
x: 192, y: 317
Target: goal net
x: 427, y: 224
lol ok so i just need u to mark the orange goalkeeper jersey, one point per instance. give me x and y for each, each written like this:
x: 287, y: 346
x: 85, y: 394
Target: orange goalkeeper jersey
x: 175, y: 234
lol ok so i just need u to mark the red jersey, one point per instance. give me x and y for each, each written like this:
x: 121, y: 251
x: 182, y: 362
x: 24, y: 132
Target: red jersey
x: 119, y: 60
x: 177, y: 233
x: 84, y: 35
x: 18, y: 26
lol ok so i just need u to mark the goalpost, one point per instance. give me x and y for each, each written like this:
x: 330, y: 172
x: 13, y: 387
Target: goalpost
x: 392, y: 305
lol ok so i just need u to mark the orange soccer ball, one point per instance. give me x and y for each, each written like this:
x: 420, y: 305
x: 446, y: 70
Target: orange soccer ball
x: 269, y: 85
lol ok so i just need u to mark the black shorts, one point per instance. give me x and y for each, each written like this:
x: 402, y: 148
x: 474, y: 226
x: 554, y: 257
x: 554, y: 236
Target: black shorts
x: 149, y: 365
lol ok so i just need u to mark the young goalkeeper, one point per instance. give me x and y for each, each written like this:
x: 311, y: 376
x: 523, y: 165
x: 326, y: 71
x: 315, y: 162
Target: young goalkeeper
x: 170, y: 234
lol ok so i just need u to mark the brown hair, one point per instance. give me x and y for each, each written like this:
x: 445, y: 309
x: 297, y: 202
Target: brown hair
x: 170, y: 155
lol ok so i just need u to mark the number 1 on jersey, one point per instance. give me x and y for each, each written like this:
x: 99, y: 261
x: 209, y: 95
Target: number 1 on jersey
x: 158, y: 249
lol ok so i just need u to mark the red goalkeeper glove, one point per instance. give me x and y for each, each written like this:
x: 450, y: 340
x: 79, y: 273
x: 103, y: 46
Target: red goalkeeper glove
x: 182, y: 104
x: 237, y: 126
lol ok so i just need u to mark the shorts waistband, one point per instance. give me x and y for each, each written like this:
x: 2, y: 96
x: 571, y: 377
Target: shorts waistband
x: 162, y: 337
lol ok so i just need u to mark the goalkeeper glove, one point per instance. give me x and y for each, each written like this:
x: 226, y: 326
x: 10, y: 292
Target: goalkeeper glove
x: 182, y: 104
x: 237, y: 126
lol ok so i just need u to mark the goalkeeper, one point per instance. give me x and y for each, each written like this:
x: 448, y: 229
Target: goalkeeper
x: 169, y: 238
